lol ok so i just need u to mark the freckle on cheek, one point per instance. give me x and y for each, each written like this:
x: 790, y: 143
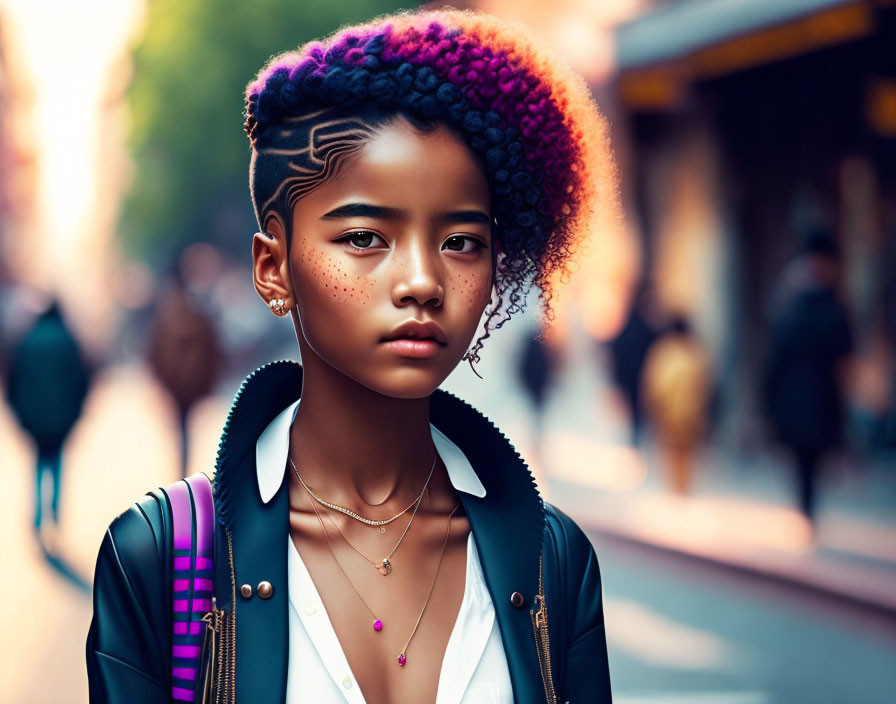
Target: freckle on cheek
x: 471, y: 288
x: 342, y: 285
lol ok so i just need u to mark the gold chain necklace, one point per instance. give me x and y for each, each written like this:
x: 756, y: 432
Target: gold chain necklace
x: 377, y: 622
x: 348, y: 512
x: 385, y: 566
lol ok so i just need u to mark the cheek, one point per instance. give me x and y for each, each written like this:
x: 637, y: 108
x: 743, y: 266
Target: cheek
x: 474, y: 288
x: 331, y: 280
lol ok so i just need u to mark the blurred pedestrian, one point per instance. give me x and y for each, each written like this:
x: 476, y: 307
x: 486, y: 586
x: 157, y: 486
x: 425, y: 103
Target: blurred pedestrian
x: 810, y: 340
x: 676, y: 392
x: 184, y: 353
x: 628, y: 350
x: 47, y: 382
x: 537, y: 370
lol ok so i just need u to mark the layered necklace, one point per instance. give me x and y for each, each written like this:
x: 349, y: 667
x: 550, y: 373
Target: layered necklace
x: 385, y: 567
x: 381, y: 524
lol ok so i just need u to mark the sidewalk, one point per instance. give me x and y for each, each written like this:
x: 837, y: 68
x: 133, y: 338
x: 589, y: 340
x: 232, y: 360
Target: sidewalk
x: 738, y: 515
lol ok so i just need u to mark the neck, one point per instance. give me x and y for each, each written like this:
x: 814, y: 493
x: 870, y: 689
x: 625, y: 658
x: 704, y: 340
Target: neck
x: 356, y: 447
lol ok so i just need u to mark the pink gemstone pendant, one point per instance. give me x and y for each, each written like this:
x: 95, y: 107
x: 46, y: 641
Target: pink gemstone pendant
x: 377, y: 625
x: 402, y: 659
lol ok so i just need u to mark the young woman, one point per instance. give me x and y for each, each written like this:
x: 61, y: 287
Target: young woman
x: 377, y: 539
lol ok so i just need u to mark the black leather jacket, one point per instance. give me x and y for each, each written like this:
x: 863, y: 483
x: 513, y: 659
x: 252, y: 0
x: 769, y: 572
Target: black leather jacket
x: 129, y: 643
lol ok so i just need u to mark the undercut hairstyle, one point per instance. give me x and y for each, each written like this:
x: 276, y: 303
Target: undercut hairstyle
x: 529, y: 120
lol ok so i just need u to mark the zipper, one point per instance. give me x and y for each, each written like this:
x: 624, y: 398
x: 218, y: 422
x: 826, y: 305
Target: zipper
x: 217, y: 676
x: 209, y: 652
x: 542, y: 642
x: 226, y: 684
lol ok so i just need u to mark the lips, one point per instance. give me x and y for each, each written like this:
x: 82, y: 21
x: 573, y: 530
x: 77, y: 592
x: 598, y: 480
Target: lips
x: 417, y: 330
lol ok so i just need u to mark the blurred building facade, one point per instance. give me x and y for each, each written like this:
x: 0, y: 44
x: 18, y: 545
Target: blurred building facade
x: 16, y: 168
x: 740, y: 126
x: 17, y: 177
x: 6, y: 158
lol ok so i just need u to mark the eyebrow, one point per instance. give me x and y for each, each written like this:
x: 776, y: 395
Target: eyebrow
x: 462, y: 216
x: 382, y: 212
x: 363, y: 210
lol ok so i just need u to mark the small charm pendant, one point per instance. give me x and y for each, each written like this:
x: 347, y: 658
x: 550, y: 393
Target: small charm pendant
x: 402, y: 659
x: 386, y: 567
x: 383, y: 530
x: 377, y: 625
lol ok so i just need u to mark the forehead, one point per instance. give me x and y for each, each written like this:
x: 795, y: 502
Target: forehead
x: 402, y: 167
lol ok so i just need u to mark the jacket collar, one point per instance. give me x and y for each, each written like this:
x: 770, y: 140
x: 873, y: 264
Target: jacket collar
x: 272, y: 450
x: 507, y: 525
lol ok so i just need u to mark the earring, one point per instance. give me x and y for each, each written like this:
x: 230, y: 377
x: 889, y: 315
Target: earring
x: 278, y: 307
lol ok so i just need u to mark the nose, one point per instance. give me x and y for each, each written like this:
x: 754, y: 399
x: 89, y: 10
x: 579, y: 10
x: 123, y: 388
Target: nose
x: 418, y: 279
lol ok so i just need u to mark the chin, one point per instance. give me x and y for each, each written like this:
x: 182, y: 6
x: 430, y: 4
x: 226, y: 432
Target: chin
x: 408, y: 383
x: 387, y: 374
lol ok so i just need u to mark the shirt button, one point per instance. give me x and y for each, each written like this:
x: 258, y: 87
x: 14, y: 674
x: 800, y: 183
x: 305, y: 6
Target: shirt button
x: 310, y: 608
x: 518, y: 600
x: 347, y: 682
x: 265, y: 590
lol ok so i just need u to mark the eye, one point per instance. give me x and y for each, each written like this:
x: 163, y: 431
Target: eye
x: 463, y: 244
x: 361, y: 239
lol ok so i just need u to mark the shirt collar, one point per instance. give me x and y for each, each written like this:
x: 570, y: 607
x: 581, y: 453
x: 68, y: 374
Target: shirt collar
x: 272, y: 449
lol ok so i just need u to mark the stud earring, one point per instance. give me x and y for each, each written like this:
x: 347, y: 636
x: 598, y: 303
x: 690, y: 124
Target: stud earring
x: 278, y: 307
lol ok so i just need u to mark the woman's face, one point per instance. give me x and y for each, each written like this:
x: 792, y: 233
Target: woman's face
x: 401, y: 235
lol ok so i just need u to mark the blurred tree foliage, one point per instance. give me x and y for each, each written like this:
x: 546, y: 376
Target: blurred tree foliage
x: 191, y: 155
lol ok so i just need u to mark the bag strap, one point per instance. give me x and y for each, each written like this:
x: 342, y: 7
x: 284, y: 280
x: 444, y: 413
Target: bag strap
x: 192, y: 575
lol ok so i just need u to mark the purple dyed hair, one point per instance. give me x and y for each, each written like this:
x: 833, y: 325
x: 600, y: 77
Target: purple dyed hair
x: 529, y: 119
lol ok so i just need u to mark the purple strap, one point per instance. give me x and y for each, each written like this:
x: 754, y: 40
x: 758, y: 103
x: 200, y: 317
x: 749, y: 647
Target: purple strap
x: 192, y: 574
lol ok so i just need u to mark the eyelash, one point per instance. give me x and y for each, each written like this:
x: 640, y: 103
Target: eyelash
x: 346, y: 238
x: 479, y: 245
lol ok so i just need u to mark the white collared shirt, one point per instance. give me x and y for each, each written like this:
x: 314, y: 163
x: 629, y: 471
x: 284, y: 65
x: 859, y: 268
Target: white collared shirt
x: 474, y: 670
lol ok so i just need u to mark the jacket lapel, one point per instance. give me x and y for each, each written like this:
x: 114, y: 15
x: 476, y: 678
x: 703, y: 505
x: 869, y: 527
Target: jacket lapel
x: 507, y: 525
x: 259, y: 532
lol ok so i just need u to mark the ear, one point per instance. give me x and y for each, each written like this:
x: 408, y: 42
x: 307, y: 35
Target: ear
x: 270, y: 263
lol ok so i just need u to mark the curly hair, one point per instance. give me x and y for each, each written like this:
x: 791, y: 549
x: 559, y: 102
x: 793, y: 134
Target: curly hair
x: 529, y: 119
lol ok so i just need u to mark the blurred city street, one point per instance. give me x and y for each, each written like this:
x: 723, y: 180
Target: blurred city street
x: 713, y: 401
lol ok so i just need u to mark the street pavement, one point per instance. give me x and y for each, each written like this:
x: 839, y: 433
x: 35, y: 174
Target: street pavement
x: 682, y: 631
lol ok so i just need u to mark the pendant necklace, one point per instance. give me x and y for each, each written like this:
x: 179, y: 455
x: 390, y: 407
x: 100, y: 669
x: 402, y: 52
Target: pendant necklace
x: 381, y: 524
x: 377, y: 622
x: 385, y: 566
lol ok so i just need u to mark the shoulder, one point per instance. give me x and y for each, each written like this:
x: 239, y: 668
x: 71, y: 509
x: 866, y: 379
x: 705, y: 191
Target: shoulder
x: 572, y: 583
x: 128, y: 640
x: 134, y: 548
x: 139, y: 531
x: 572, y: 571
x: 568, y: 540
